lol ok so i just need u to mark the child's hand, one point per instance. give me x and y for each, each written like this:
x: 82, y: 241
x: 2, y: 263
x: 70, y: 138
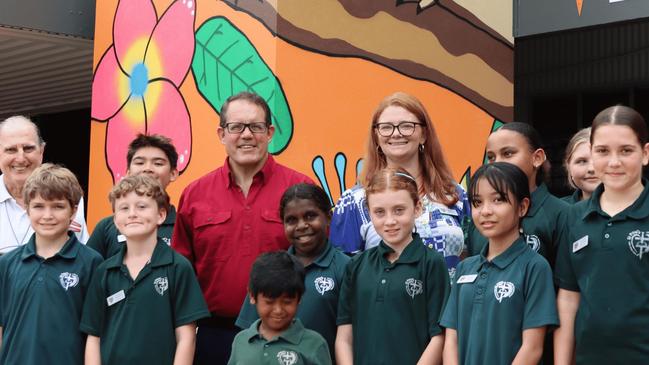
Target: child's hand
x: 75, y: 226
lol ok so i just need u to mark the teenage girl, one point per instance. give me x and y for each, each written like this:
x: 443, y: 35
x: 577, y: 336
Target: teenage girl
x: 503, y: 299
x: 393, y: 294
x: 602, y: 269
x: 520, y: 144
x: 581, y: 175
x: 305, y: 210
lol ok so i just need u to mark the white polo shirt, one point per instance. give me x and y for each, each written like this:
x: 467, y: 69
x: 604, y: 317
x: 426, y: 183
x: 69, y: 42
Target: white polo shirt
x: 15, y: 228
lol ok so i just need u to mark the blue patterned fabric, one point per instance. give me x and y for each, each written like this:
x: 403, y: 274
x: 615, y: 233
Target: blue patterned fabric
x: 440, y: 226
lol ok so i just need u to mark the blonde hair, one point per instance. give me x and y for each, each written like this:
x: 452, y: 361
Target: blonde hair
x: 582, y: 136
x: 52, y: 182
x: 437, y: 178
x: 142, y: 185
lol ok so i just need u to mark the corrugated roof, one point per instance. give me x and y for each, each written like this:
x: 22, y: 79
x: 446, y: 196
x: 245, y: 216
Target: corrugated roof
x: 42, y: 72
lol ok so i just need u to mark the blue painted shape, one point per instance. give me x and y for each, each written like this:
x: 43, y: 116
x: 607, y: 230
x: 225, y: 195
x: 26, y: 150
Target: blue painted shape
x: 139, y: 79
x: 340, y: 161
x: 359, y: 167
x: 318, y: 168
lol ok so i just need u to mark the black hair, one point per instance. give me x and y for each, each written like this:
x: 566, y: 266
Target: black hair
x: 310, y: 192
x: 505, y: 178
x: 533, y: 139
x: 153, y: 140
x: 276, y: 273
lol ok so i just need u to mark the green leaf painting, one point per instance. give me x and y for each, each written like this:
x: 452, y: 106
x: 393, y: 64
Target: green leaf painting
x: 226, y: 63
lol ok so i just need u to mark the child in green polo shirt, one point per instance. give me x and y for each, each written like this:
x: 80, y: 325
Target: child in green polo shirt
x: 156, y: 156
x: 43, y: 283
x: 305, y: 210
x: 502, y: 300
x: 393, y: 294
x: 520, y: 144
x: 602, y: 269
x: 276, y: 287
x: 143, y: 302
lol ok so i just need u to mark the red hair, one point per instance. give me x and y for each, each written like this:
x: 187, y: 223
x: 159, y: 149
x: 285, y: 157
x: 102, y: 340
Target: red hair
x: 394, y: 180
x: 437, y: 178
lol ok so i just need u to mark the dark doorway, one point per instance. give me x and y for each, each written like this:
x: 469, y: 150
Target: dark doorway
x: 563, y: 79
x: 67, y: 137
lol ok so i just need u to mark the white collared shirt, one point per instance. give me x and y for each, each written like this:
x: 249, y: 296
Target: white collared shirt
x: 15, y: 228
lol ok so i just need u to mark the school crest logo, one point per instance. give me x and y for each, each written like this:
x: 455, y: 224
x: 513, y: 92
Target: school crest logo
x: 533, y: 241
x: 638, y: 242
x: 68, y: 280
x: 451, y: 273
x: 503, y: 289
x: 324, y: 284
x: 161, y: 285
x: 287, y: 357
x: 414, y: 287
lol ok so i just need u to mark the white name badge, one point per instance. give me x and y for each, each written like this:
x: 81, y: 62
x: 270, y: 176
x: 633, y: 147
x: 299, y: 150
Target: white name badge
x: 121, y: 238
x: 116, y: 298
x: 580, y: 243
x: 467, y: 278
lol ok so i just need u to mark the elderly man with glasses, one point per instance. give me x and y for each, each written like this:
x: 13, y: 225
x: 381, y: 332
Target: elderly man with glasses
x: 228, y: 217
x: 21, y: 152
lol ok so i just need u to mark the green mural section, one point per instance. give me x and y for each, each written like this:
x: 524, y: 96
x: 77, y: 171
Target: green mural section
x: 226, y: 63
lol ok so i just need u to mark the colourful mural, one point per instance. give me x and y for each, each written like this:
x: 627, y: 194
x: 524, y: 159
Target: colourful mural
x: 166, y: 67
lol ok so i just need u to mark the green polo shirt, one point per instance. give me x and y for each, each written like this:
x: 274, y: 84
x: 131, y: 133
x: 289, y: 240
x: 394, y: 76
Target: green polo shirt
x: 542, y: 226
x: 574, y: 198
x: 107, y: 240
x: 295, y: 346
x: 606, y: 259
x: 493, y: 302
x: 41, y: 302
x: 394, y: 308
x: 319, y: 305
x: 138, y: 327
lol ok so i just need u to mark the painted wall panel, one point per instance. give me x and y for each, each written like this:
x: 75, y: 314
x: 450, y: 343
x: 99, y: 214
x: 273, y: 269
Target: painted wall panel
x: 166, y: 67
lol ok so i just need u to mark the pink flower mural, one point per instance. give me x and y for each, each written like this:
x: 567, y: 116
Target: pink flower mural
x: 135, y: 86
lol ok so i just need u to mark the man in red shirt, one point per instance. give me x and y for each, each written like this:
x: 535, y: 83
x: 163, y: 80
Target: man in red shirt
x: 228, y: 217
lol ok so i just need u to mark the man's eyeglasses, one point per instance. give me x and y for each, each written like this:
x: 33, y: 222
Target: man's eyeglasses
x: 404, y: 128
x: 238, y: 128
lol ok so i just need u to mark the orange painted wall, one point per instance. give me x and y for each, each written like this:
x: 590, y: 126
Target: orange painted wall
x: 331, y: 100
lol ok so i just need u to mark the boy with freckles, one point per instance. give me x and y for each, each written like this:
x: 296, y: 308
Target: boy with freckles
x: 143, y: 302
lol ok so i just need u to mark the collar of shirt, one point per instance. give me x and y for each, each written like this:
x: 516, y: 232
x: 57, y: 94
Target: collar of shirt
x: 412, y: 253
x: 638, y: 210
x: 576, y: 196
x: 504, y: 259
x: 4, y: 193
x: 13, y: 220
x: 293, y: 333
x: 264, y: 174
x: 538, y: 197
x: 162, y: 255
x: 68, y: 251
x: 323, y: 260
x: 171, y: 216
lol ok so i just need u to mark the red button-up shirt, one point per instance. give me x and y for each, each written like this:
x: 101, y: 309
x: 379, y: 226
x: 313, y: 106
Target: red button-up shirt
x: 222, y: 232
